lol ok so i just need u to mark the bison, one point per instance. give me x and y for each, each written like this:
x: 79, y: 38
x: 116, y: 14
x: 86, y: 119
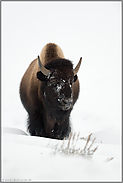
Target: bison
x: 48, y: 92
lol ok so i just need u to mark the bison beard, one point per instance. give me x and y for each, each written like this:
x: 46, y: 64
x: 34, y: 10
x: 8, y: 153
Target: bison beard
x: 49, y: 98
x: 61, y: 124
x: 49, y: 122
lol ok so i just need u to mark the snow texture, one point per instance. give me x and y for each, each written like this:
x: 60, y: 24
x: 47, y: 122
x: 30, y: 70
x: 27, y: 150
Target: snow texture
x: 35, y: 159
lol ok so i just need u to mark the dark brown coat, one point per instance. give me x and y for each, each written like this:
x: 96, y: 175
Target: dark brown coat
x: 49, y: 99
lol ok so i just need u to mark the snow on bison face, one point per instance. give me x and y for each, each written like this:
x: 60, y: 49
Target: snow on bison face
x: 58, y: 84
x: 59, y: 90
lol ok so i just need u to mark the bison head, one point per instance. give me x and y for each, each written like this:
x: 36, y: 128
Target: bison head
x: 58, y: 77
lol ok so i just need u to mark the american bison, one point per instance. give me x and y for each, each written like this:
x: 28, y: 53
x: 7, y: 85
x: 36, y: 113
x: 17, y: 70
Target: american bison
x: 48, y: 91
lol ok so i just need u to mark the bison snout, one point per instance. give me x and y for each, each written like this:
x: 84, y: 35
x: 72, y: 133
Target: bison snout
x: 66, y: 104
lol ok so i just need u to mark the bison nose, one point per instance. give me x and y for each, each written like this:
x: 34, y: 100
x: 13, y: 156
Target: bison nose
x: 66, y: 103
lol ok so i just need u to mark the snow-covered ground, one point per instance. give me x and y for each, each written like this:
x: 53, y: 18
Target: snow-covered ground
x: 88, y: 29
x: 37, y: 159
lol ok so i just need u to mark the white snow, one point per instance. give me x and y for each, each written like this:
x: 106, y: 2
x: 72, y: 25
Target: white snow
x: 58, y: 88
x: 33, y: 158
x: 88, y: 29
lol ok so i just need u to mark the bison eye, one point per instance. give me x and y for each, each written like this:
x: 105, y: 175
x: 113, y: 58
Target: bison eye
x: 53, y: 82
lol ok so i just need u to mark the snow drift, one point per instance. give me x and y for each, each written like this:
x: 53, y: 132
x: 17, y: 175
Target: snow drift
x: 29, y: 158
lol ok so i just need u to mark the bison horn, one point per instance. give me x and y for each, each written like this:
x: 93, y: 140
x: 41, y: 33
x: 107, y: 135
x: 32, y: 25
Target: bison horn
x: 77, y: 67
x: 42, y: 68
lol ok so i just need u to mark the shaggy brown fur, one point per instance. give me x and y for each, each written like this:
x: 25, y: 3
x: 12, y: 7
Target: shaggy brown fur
x: 49, y: 99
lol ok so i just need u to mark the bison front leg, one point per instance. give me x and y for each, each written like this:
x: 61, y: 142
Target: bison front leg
x: 35, y: 124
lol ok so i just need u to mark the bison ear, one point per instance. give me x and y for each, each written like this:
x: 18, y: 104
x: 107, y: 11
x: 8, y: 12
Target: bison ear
x: 41, y: 76
x: 75, y: 78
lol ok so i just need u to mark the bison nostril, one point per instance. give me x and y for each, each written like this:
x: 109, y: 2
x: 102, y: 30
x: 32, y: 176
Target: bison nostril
x: 67, y: 102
